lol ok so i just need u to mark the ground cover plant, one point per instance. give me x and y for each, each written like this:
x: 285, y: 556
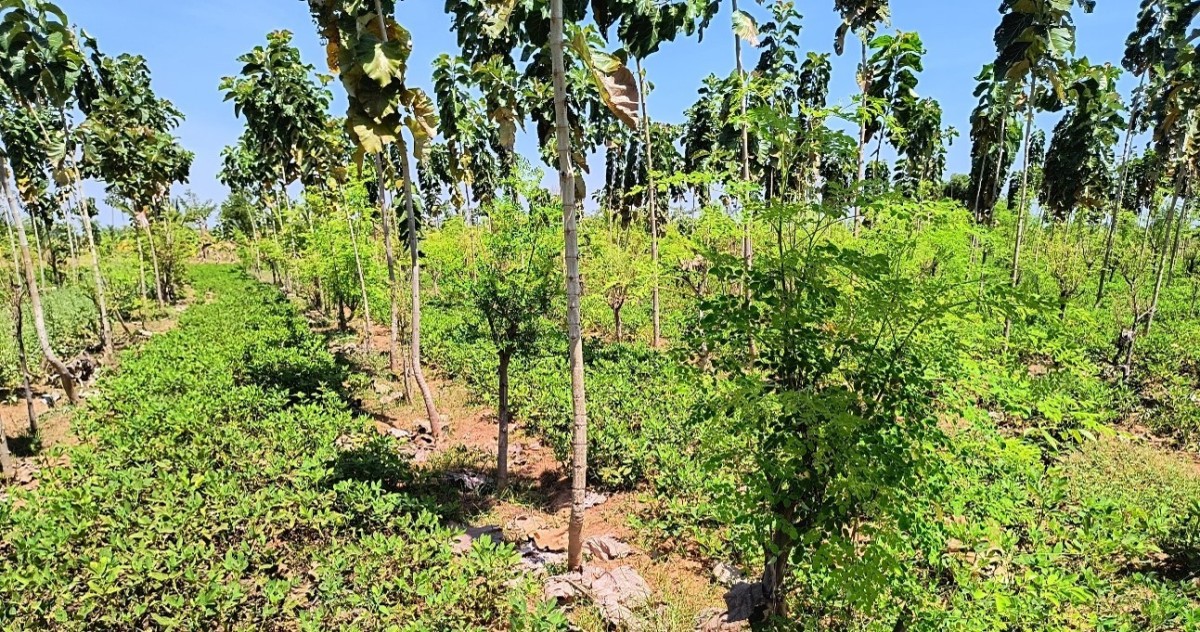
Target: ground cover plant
x: 238, y: 491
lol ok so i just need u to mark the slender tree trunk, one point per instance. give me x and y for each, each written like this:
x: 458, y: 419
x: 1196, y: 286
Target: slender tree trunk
x: 18, y: 288
x: 341, y: 313
x: 504, y: 415
x: 1020, y: 237
x: 72, y: 251
x: 652, y: 199
x: 257, y: 251
x: 137, y: 237
x: 414, y: 346
x: 747, y: 219
x: 106, y: 334
x: 144, y: 222
x: 35, y: 296
x: 566, y: 182
x: 23, y: 361
x: 618, y: 324
x: 8, y: 468
x: 864, y: 85
x: 1179, y: 224
x: 37, y: 248
x: 1162, y: 259
x: 385, y: 213
x: 1106, y: 271
x: 775, y: 573
x: 362, y: 281
x: 435, y: 421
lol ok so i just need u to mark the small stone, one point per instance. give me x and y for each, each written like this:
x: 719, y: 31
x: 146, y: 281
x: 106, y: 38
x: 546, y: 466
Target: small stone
x: 606, y: 547
x: 554, y: 540
x: 726, y: 574
x: 593, y: 499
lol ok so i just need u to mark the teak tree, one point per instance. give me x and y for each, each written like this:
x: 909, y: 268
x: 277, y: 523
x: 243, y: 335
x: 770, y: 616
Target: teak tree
x: 369, y: 50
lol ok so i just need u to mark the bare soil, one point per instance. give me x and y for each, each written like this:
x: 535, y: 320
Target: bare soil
x: 539, y: 490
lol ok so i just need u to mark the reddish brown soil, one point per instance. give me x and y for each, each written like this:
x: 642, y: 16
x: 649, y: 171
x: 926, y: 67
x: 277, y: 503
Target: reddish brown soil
x: 540, y: 486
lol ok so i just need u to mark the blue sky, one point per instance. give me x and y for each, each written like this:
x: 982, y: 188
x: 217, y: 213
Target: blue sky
x: 191, y: 44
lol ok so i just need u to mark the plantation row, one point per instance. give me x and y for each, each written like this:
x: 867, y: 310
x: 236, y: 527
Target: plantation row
x: 224, y: 484
x: 797, y: 350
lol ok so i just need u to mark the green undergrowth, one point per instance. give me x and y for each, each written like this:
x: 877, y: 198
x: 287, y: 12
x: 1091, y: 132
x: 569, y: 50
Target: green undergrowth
x: 639, y: 400
x: 224, y: 483
x: 1035, y: 515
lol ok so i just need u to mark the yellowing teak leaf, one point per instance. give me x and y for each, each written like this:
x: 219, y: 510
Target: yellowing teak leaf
x: 745, y: 27
x: 619, y: 91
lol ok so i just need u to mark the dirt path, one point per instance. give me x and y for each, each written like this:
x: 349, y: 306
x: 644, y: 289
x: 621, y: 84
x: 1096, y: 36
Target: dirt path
x: 537, y: 505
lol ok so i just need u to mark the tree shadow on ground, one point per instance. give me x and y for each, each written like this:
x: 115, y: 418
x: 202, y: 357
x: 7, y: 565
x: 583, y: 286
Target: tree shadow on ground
x: 25, y: 445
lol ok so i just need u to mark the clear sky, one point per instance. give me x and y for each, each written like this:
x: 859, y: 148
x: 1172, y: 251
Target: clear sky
x: 191, y: 44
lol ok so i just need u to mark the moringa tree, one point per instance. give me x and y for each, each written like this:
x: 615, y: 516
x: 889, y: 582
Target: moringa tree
x: 510, y: 282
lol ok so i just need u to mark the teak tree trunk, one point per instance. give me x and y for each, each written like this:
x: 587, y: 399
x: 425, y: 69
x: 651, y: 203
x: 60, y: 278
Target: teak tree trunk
x: 566, y: 182
x: 144, y: 222
x: 106, y: 334
x: 385, y: 214
x: 362, y: 280
x: 18, y: 289
x: 1106, y: 270
x: 35, y: 295
x: 414, y: 346
x: 652, y: 204
x: 1020, y: 236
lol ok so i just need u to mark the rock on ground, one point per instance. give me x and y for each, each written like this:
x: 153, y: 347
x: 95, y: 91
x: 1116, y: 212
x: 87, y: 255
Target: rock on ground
x: 607, y: 547
x: 618, y: 593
